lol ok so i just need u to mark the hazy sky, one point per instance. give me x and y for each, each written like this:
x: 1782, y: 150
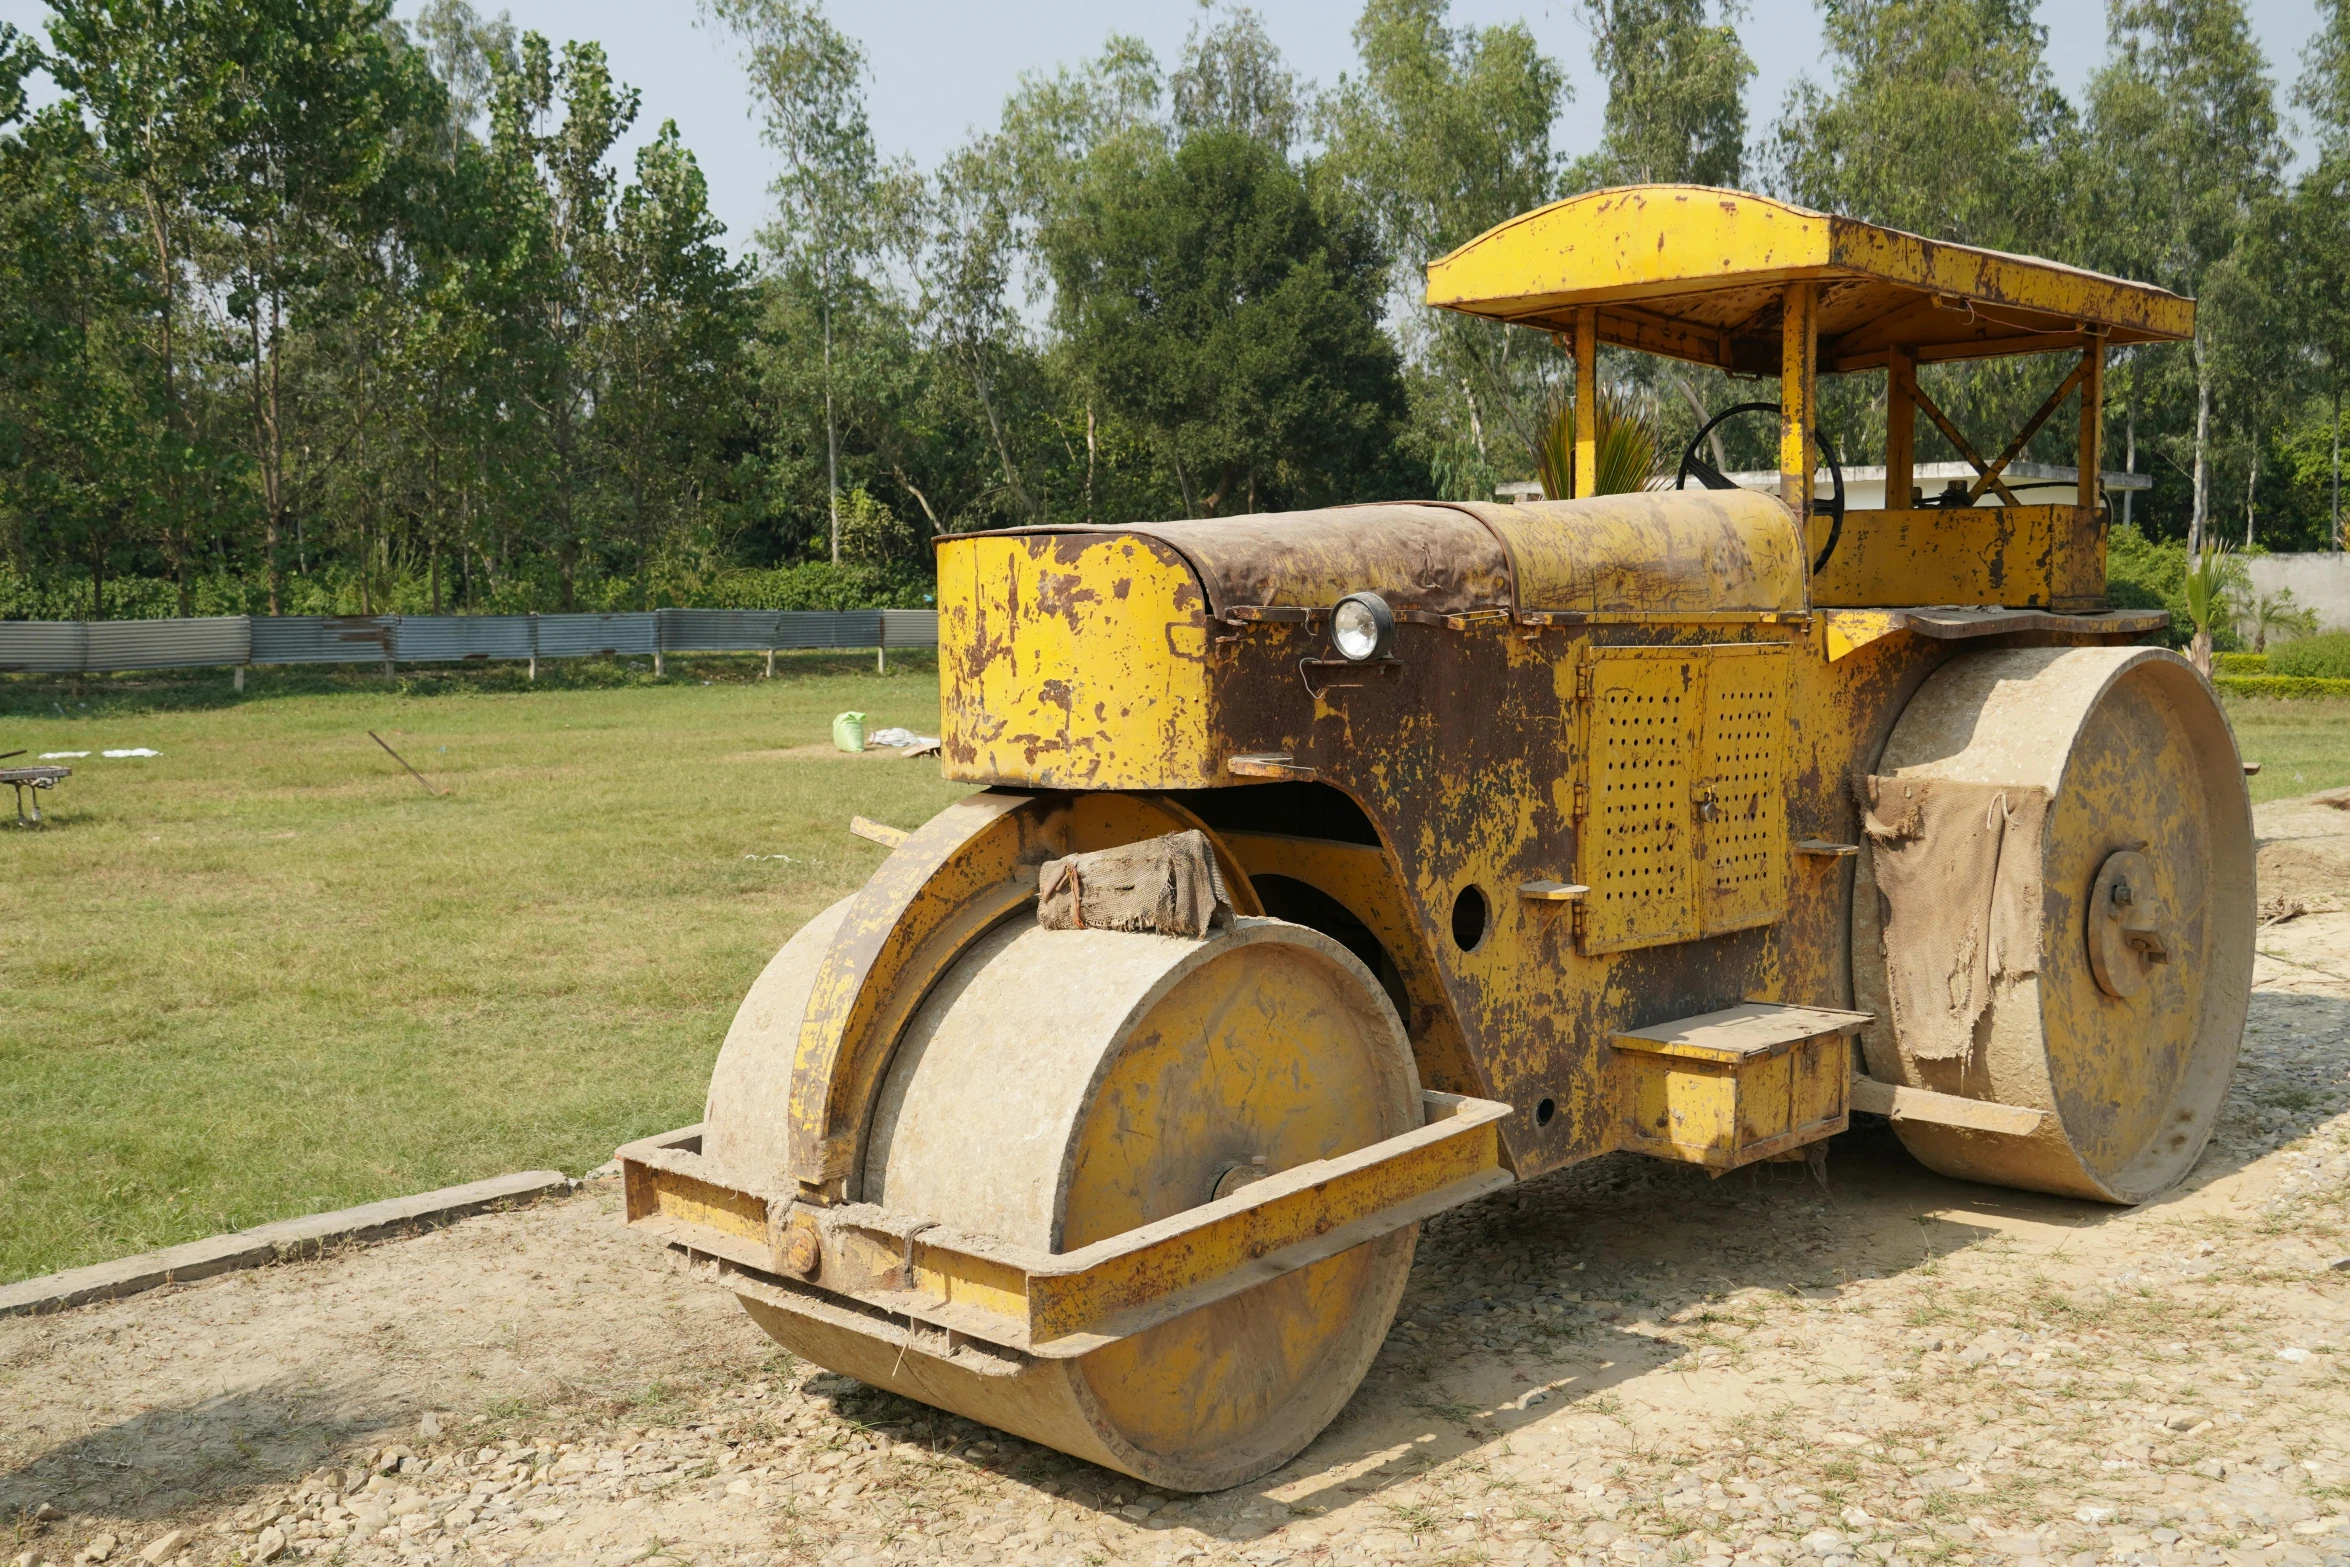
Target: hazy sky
x: 940, y: 69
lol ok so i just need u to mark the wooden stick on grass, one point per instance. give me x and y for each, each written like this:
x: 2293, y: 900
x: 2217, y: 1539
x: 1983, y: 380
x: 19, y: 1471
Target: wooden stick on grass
x: 403, y: 761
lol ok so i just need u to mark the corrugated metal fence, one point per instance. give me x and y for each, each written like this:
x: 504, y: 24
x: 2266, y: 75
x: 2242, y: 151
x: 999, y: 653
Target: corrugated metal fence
x: 80, y: 647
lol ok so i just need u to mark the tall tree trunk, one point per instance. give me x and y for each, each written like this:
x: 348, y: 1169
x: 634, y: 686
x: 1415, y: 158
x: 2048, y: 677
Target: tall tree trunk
x: 1091, y: 455
x: 831, y: 434
x: 2336, y: 538
x: 2130, y: 441
x: 906, y: 480
x: 2195, y: 519
x: 2251, y: 490
x: 277, y: 443
x: 1183, y: 482
x: 1003, y: 450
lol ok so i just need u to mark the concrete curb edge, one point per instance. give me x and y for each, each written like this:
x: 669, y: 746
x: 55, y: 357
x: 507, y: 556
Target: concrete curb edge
x: 282, y: 1240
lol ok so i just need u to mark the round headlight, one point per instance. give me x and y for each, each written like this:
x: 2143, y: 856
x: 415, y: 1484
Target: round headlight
x: 1362, y: 627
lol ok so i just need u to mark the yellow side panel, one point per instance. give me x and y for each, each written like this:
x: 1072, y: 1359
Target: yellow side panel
x: 1742, y: 824
x: 2023, y: 557
x: 1684, y: 1112
x: 1072, y: 661
x: 1635, y: 846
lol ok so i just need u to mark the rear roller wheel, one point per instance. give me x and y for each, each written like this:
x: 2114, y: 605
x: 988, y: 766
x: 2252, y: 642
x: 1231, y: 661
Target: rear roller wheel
x: 2124, y: 1023
x: 1058, y: 1088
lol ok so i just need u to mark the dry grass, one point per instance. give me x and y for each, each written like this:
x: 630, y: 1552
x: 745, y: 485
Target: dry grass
x: 265, y: 974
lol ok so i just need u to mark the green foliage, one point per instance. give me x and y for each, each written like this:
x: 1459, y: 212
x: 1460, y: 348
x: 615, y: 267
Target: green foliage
x: 304, y: 306
x: 2211, y: 589
x: 2261, y: 616
x: 1676, y: 111
x: 871, y: 534
x: 2325, y: 656
x: 2296, y: 687
x: 1630, y: 447
x: 1208, y: 299
x: 2239, y: 664
x: 1943, y: 119
x: 1445, y: 133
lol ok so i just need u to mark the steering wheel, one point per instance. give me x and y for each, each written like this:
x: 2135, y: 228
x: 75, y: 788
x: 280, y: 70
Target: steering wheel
x: 1712, y: 478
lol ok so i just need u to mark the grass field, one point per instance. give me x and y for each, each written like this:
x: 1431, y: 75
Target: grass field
x: 2302, y: 747
x: 265, y: 974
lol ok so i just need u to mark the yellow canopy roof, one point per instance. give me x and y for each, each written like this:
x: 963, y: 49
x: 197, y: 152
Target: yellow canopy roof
x: 1695, y: 273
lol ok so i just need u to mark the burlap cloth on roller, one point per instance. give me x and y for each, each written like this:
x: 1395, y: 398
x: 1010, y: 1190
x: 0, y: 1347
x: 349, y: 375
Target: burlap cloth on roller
x: 1959, y: 867
x: 1169, y: 885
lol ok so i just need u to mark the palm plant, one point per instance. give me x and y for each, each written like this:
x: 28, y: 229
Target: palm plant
x: 2209, y: 582
x: 2276, y: 615
x: 1631, y: 444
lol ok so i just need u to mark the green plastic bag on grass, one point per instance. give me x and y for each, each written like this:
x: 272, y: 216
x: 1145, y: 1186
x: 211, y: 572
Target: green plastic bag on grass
x: 848, y: 732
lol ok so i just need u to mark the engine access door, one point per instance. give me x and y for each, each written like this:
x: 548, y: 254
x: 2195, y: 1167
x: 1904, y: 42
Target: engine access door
x: 1682, y: 828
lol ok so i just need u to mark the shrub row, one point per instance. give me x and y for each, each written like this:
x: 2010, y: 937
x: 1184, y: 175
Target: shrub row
x: 2325, y: 656
x: 2281, y: 685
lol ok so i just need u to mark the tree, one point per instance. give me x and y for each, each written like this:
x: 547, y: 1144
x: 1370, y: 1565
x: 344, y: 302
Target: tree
x: 81, y: 438
x: 466, y: 52
x: 162, y: 83
x: 991, y: 199
x: 567, y: 296
x: 2185, y: 142
x: 1942, y: 119
x: 836, y: 199
x: 1233, y: 79
x: 1676, y: 110
x: 671, y: 352
x: 1207, y: 299
x: 1446, y: 133
x: 2316, y: 246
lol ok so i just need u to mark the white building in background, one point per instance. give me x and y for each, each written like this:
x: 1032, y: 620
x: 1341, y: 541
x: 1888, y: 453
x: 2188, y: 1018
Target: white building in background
x: 2034, y: 483
x: 2319, y: 581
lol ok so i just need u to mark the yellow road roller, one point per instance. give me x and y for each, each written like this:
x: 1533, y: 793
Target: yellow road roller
x: 1328, y: 869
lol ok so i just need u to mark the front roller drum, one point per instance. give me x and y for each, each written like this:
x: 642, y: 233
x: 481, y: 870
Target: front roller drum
x: 2077, y: 936
x: 1059, y: 1088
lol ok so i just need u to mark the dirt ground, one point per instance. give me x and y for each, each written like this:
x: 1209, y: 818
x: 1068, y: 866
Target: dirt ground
x: 1621, y: 1365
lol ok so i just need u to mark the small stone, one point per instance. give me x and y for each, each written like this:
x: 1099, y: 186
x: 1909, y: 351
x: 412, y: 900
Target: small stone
x: 2293, y: 1353
x: 271, y: 1545
x: 2093, y: 1515
x: 430, y: 1426
x: 163, y: 1547
x: 99, y: 1548
x: 1821, y: 1541
x: 46, y: 1512
x: 2339, y: 1265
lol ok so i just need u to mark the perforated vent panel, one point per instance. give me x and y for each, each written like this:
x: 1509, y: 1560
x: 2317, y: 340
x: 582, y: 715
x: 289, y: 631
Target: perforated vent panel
x: 1742, y: 839
x: 1684, y: 828
x: 1636, y: 842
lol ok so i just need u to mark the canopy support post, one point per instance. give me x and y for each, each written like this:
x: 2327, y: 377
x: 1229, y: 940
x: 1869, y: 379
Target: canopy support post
x: 2092, y: 446
x: 1799, y: 351
x: 1901, y: 428
x: 1586, y: 401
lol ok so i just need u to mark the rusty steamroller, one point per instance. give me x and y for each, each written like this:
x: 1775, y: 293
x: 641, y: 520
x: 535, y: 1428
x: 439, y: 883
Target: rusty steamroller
x: 1328, y: 869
